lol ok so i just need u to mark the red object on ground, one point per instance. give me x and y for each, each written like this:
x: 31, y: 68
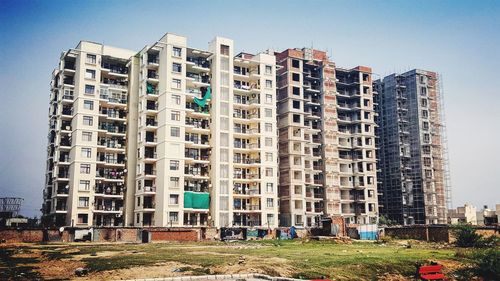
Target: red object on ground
x: 431, y: 272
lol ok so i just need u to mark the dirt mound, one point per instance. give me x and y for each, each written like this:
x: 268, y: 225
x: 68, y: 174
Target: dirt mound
x: 269, y: 266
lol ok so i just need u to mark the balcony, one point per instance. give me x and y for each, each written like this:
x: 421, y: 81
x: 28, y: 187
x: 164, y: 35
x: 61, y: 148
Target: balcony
x: 112, y: 99
x: 119, y: 84
x: 108, y: 191
x: 113, y: 129
x: 199, y: 62
x: 238, y: 207
x: 110, y: 174
x: 107, y: 208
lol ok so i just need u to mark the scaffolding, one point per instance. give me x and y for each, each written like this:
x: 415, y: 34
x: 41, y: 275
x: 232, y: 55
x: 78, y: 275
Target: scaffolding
x: 444, y: 140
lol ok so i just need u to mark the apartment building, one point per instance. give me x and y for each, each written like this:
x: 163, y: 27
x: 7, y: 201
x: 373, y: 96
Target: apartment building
x: 167, y: 136
x: 326, y: 140
x: 206, y: 136
x: 86, y: 141
x: 411, y: 162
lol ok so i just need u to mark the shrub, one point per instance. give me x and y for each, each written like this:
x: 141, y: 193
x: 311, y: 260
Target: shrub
x: 488, y: 263
x: 466, y: 236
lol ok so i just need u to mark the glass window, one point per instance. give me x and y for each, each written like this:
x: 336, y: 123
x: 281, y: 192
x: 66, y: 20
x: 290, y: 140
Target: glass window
x: 176, y: 84
x: 295, y: 63
x: 296, y: 91
x: 269, y: 188
x: 84, y: 185
x: 270, y: 202
x: 175, y: 116
x: 176, y: 52
x: 85, y: 168
x: 88, y: 104
x: 174, y: 165
x: 90, y: 74
x: 269, y: 142
x: 296, y: 77
x: 268, y: 112
x: 86, y: 152
x: 88, y: 120
x: 83, y: 202
x: 224, y: 50
x: 269, y: 172
x: 91, y: 59
x: 173, y: 216
x: 175, y: 132
x: 86, y: 136
x: 269, y: 69
x: 269, y: 156
x: 83, y: 218
x: 174, y: 182
x: 89, y: 89
x: 176, y: 99
x: 269, y: 127
x: 177, y: 67
x: 269, y: 83
x: 269, y: 98
x: 174, y: 199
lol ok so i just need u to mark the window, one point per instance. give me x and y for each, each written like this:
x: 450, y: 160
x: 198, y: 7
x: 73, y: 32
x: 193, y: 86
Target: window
x: 89, y: 74
x: 423, y: 91
x: 91, y: 59
x: 296, y: 104
x: 176, y: 83
x: 176, y: 99
x: 88, y: 104
x: 269, y: 188
x: 296, y: 77
x: 83, y: 202
x: 86, y: 152
x: 174, y: 182
x: 176, y: 52
x: 137, y: 218
x: 268, y: 112
x: 269, y: 127
x: 175, y: 116
x: 269, y: 156
x: 174, y: 199
x: 86, y: 136
x: 269, y: 83
x: 296, y: 91
x: 269, y: 142
x: 425, y: 113
x: 296, y: 118
x: 269, y: 172
x: 175, y: 132
x: 83, y: 218
x: 88, y: 120
x: 424, y: 102
x: 270, y: 219
x: 269, y: 98
x: 89, y: 89
x: 295, y: 63
x: 269, y: 202
x: 173, y: 216
x: 269, y: 70
x: 85, y: 168
x: 174, y: 165
x: 425, y: 125
x: 177, y: 67
x: 224, y: 50
x: 84, y: 185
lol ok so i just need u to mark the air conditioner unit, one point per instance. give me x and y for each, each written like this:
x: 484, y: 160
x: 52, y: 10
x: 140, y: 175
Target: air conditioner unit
x: 68, y: 128
x: 118, y: 145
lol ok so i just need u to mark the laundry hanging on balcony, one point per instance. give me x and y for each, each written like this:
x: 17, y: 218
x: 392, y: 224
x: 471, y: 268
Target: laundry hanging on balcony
x: 196, y: 200
x: 203, y: 101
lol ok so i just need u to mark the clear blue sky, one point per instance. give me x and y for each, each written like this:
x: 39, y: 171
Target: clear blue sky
x: 459, y: 39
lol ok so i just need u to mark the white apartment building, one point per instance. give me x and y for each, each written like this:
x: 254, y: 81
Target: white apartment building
x: 187, y: 136
x: 86, y: 142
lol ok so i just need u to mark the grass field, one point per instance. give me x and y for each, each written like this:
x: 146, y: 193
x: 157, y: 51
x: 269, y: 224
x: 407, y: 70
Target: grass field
x: 299, y: 259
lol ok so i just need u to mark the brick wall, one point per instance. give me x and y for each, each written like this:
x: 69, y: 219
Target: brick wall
x: 174, y: 235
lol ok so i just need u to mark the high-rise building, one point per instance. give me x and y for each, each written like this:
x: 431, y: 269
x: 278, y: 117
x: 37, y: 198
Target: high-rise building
x: 85, y: 178
x: 411, y: 149
x: 167, y: 136
x: 326, y: 140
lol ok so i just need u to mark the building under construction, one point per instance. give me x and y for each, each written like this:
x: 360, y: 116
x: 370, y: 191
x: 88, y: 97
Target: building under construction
x: 413, y: 175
